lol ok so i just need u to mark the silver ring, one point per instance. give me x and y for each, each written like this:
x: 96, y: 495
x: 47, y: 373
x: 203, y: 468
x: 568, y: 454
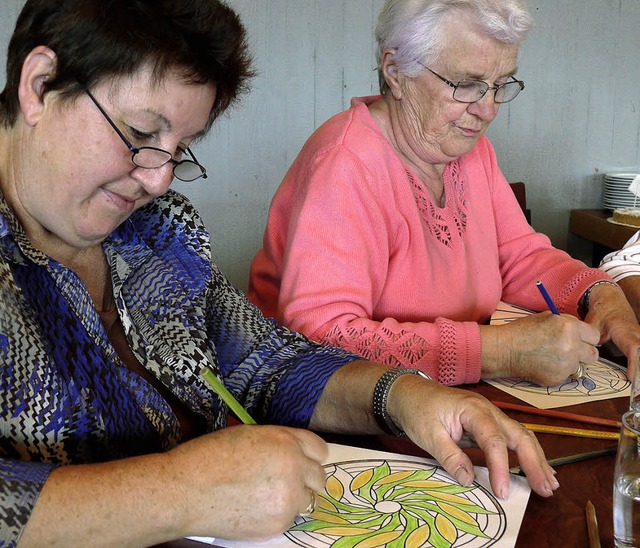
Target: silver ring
x: 578, y: 374
x: 312, y: 506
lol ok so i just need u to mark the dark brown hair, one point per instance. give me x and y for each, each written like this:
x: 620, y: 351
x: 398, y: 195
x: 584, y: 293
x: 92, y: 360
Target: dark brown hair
x: 94, y: 40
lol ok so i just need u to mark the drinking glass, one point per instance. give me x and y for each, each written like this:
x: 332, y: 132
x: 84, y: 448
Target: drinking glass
x: 626, y: 483
x: 634, y: 400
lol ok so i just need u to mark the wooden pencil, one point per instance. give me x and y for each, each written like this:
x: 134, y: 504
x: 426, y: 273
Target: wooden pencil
x: 575, y: 457
x: 592, y: 526
x: 557, y: 414
x: 578, y: 432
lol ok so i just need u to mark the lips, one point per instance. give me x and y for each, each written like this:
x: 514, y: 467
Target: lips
x: 470, y: 131
x: 124, y: 203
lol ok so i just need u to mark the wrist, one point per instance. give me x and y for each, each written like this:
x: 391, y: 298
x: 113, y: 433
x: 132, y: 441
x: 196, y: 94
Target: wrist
x: 495, y: 353
x: 383, y: 408
x: 590, y: 297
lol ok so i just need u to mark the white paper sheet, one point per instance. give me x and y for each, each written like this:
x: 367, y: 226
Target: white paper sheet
x: 405, y: 489
x: 602, y: 379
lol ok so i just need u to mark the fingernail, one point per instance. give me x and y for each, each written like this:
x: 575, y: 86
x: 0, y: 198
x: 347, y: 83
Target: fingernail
x: 463, y: 477
x: 554, y: 483
x: 504, y: 491
x: 547, y: 489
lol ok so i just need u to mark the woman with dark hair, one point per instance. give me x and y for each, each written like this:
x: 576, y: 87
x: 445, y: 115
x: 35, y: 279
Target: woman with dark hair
x: 395, y: 235
x: 110, y: 306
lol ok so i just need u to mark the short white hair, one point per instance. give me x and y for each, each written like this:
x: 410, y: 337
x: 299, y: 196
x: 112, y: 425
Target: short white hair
x: 416, y: 29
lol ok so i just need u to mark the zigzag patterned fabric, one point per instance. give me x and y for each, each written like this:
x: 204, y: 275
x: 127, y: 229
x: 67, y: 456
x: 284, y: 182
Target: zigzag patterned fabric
x: 65, y: 395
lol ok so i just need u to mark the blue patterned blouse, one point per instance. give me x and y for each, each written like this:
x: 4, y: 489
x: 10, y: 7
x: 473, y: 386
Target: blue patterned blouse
x: 65, y: 395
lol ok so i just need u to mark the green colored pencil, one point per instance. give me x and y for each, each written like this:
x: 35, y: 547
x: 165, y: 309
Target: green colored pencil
x: 226, y: 396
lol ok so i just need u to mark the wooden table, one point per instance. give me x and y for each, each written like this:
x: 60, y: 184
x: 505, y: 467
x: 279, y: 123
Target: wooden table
x: 556, y: 521
x: 592, y: 225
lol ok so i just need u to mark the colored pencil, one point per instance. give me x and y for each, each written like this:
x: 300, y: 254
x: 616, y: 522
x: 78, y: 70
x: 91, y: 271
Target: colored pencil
x: 592, y: 526
x: 557, y: 414
x: 576, y: 457
x: 547, y: 298
x: 578, y: 432
x: 226, y: 396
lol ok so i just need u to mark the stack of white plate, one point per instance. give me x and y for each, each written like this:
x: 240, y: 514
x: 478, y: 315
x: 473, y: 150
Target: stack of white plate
x: 616, y: 191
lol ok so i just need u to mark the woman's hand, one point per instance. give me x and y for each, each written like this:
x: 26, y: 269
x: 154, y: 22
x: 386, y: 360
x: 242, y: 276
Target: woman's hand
x: 543, y: 348
x: 611, y: 314
x: 243, y: 482
x: 437, y: 417
x: 248, y: 482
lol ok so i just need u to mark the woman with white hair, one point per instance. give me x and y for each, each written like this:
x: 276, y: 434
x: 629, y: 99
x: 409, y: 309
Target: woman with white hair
x: 395, y: 235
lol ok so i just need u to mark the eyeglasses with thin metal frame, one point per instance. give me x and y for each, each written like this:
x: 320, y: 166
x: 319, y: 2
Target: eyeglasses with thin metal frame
x: 470, y: 90
x: 154, y: 158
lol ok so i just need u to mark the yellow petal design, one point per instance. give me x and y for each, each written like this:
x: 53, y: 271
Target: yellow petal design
x: 427, y: 484
x: 446, y: 528
x: 378, y: 540
x: 361, y: 479
x: 453, y: 499
x: 329, y: 518
x: 345, y: 531
x: 334, y: 488
x: 419, y: 537
x: 324, y: 504
x: 396, y: 476
x: 457, y: 513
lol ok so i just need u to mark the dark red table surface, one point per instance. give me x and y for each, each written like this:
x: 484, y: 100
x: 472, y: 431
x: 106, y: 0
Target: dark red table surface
x: 556, y: 521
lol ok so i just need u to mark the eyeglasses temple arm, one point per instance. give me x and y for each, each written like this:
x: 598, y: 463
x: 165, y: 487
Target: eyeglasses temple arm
x: 115, y: 128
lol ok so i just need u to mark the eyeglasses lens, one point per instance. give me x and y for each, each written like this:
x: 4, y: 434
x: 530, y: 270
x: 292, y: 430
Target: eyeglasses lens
x: 187, y: 171
x: 471, y: 91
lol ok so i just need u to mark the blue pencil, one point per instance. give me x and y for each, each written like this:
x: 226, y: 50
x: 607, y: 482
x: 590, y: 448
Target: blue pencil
x: 547, y: 298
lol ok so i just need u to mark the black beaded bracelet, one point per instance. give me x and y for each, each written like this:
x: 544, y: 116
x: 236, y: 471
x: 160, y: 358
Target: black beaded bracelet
x: 381, y: 394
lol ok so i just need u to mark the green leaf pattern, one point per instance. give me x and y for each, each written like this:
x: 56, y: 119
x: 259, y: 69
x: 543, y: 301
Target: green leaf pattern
x: 371, y: 504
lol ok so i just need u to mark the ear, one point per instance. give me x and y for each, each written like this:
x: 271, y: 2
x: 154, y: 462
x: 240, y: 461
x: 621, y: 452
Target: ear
x: 391, y: 73
x: 38, y: 67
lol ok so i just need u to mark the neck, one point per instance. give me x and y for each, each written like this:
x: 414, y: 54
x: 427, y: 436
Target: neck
x: 385, y: 113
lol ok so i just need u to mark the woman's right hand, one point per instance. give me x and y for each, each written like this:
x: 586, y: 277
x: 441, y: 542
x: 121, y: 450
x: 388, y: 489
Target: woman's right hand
x: 248, y: 482
x: 543, y: 348
x: 242, y: 482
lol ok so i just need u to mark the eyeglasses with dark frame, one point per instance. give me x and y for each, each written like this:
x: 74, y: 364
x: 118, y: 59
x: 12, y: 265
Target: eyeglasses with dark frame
x: 153, y: 158
x: 470, y: 90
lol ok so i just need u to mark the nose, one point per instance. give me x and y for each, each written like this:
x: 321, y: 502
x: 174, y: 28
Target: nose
x: 155, y: 181
x: 486, y: 108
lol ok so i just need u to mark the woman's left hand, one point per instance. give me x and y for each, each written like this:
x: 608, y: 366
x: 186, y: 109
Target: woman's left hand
x: 437, y: 418
x: 611, y: 313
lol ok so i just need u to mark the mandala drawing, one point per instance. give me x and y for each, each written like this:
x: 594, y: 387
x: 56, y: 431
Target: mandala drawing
x: 399, y: 504
x: 599, y: 379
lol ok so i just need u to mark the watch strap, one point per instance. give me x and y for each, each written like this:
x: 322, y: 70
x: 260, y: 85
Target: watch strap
x: 381, y: 394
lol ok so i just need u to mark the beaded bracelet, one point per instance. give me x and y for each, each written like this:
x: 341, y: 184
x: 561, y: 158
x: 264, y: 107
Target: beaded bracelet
x: 583, y: 308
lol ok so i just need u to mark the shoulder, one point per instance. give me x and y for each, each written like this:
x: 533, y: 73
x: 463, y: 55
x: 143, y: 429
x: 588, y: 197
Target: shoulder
x: 352, y: 130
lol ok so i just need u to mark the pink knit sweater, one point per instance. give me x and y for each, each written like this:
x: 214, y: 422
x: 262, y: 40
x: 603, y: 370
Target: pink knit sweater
x: 356, y: 254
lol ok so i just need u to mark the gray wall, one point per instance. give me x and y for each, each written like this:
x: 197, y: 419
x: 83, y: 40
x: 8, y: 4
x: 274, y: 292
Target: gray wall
x: 577, y: 119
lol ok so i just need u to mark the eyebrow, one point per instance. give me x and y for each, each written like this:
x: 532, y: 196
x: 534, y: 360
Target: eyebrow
x: 506, y: 75
x: 167, y: 126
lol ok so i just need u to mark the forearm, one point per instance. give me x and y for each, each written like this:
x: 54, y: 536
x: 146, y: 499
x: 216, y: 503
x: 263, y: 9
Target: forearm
x: 130, y: 502
x: 631, y: 288
x: 346, y: 404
